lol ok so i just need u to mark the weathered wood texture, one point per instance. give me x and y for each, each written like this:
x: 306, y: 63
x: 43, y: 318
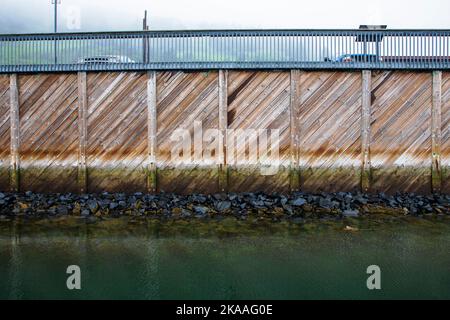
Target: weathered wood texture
x: 5, y: 128
x: 182, y: 99
x: 223, y: 125
x: 117, y: 131
x: 323, y: 140
x: 365, y: 129
x: 330, y: 131
x: 14, y: 172
x: 401, y: 132
x: 436, y: 132
x: 82, y: 132
x: 48, y: 132
x: 294, y: 124
x: 445, y: 147
x: 259, y: 100
x: 152, y: 182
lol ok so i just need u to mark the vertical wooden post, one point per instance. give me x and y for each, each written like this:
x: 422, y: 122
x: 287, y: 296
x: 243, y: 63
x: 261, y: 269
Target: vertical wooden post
x: 365, y: 129
x: 436, y: 134
x: 152, y: 185
x: 295, y: 131
x: 223, y: 126
x: 82, y: 133
x: 15, y: 134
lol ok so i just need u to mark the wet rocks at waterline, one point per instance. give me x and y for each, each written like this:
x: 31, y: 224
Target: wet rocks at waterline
x: 198, y: 206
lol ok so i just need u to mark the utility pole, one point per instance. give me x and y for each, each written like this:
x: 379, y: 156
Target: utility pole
x: 55, y: 27
x: 144, y: 22
x: 145, y: 39
x: 55, y: 14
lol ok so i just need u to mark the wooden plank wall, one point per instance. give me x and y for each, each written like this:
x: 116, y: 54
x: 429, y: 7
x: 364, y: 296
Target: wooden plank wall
x: 5, y: 128
x: 330, y: 131
x: 48, y: 132
x: 117, y: 131
x: 401, y: 132
x: 259, y: 100
x: 183, y: 98
x: 445, y: 148
x: 320, y: 130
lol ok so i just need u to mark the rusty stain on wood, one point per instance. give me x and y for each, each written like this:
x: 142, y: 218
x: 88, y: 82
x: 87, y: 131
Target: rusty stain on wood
x: 445, y: 125
x: 152, y: 131
x: 436, y: 128
x: 117, y: 126
x: 365, y: 129
x: 223, y: 126
x: 330, y: 144
x: 15, y: 134
x: 400, y: 132
x: 186, y: 99
x: 83, y: 134
x: 295, y: 130
x: 342, y: 131
x: 263, y: 103
x: 5, y: 133
x: 48, y: 132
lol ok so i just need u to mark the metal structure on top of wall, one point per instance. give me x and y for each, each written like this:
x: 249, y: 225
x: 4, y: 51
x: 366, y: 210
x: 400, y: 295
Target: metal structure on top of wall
x: 237, y: 49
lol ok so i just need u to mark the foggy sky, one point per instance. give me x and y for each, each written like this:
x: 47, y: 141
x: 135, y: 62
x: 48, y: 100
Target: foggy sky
x: 36, y: 16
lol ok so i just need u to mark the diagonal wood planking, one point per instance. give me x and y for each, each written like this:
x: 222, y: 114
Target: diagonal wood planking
x: 330, y: 131
x: 5, y: 135
x: 183, y: 98
x: 330, y: 122
x: 117, y: 131
x: 401, y: 132
x: 445, y: 147
x: 48, y: 132
x: 259, y: 100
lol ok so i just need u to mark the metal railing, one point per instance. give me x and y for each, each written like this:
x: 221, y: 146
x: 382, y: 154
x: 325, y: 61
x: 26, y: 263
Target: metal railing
x: 237, y: 49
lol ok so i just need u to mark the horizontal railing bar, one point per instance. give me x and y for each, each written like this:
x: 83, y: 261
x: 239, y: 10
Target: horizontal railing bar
x: 205, y: 66
x: 233, y: 31
x: 202, y: 49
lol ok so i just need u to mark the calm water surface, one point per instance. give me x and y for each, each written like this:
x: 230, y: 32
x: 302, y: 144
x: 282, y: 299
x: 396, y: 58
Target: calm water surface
x: 224, y: 260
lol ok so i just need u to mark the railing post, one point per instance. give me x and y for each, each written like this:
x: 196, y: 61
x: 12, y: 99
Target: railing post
x: 152, y: 185
x: 223, y: 126
x: 15, y: 134
x: 295, y: 131
x: 436, y: 135
x: 365, y: 129
x: 82, y: 127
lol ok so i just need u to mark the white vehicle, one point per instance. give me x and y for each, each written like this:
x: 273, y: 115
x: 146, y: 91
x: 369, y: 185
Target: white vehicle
x: 105, y: 59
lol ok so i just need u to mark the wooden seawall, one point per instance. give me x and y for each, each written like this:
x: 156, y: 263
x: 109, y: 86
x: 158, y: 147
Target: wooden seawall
x: 338, y: 131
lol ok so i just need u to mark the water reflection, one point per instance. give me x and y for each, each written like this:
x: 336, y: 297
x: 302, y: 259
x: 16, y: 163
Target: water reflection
x: 294, y: 261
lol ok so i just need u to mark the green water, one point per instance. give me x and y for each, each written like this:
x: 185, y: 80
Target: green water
x: 225, y: 259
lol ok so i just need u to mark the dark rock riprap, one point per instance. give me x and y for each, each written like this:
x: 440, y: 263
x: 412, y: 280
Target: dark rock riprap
x: 296, y: 205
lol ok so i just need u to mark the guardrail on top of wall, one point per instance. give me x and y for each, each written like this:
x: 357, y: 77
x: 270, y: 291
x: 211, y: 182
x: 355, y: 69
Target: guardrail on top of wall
x: 226, y: 49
